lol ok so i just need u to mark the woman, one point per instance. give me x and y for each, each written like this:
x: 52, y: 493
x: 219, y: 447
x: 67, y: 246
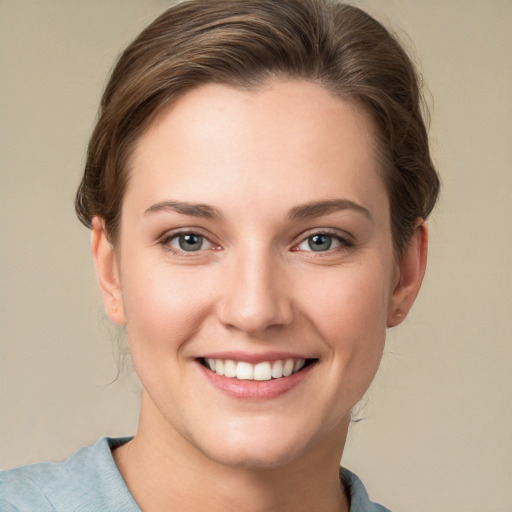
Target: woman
x: 257, y: 186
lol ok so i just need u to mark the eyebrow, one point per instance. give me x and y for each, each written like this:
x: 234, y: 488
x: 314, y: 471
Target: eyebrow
x: 317, y: 209
x: 194, y: 209
x: 312, y: 209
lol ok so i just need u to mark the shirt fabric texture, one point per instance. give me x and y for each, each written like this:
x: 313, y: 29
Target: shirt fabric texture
x: 89, y: 481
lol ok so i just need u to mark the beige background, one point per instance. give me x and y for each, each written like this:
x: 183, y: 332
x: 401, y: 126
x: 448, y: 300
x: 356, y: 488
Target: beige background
x: 438, y: 429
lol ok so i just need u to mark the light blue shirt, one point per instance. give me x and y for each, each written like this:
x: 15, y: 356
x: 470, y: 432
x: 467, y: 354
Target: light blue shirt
x: 89, y: 481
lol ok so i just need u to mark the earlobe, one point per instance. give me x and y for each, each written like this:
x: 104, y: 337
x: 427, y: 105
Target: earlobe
x: 411, y: 269
x: 107, y: 271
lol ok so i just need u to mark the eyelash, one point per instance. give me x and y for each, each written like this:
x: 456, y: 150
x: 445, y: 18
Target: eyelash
x: 167, y: 239
x: 344, y: 243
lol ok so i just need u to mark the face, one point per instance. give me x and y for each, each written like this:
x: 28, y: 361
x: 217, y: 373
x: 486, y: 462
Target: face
x: 254, y: 270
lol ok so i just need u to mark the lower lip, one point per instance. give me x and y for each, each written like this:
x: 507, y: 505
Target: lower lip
x: 256, y: 389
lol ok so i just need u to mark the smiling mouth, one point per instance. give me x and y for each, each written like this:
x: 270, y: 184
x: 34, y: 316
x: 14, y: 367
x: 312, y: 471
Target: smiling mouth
x: 262, y: 371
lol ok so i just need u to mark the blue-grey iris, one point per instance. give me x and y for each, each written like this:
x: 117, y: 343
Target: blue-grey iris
x: 190, y: 242
x: 320, y: 242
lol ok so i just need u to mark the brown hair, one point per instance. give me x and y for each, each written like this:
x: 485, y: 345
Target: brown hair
x: 242, y: 43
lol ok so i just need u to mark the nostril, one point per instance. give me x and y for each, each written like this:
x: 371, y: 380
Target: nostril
x: 256, y: 317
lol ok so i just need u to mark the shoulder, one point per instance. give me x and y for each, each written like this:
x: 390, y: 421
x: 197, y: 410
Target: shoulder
x: 359, y: 499
x: 19, y: 490
x: 88, y: 480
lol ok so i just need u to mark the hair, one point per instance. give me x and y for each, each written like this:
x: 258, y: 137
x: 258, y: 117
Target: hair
x: 243, y: 44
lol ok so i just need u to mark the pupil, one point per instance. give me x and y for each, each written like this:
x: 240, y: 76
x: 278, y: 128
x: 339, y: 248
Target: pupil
x: 190, y: 242
x: 320, y: 242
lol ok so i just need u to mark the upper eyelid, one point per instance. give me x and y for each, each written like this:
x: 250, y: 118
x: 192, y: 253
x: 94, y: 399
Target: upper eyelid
x: 342, y: 235
x: 172, y: 233
x: 166, y: 238
x: 345, y: 239
x: 334, y: 232
x: 165, y: 242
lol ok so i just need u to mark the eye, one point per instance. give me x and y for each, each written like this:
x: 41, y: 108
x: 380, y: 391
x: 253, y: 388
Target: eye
x: 322, y: 242
x: 188, y: 242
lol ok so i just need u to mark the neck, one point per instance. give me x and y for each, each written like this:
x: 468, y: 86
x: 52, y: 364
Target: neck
x: 164, y: 472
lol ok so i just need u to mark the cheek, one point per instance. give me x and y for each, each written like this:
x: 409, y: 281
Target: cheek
x: 349, y: 310
x: 163, y: 309
x: 353, y: 299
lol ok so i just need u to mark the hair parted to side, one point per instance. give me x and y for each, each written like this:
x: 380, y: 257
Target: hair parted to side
x: 243, y: 43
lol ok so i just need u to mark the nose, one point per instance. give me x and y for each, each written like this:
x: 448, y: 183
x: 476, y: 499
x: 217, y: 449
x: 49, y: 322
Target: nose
x: 254, y: 294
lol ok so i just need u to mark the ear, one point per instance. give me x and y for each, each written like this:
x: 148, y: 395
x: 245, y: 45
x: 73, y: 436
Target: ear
x: 107, y: 271
x: 410, y: 270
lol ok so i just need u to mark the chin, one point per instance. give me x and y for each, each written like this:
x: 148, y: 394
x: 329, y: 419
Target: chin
x: 253, y: 459
x: 258, y: 448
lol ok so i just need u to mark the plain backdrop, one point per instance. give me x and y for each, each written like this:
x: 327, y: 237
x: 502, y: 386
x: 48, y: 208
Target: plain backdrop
x: 436, y: 433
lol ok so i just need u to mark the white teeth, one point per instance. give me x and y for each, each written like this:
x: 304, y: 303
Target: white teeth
x: 229, y: 368
x: 265, y: 370
x: 219, y: 366
x: 299, y: 364
x: 262, y: 371
x: 288, y: 367
x: 244, y: 371
x: 277, y: 370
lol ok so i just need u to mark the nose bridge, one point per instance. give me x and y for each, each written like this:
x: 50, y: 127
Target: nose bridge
x: 255, y: 294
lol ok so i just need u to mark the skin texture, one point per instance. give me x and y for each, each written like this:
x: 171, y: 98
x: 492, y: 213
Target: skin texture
x: 255, y: 287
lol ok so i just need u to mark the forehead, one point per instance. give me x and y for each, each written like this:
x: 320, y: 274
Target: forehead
x: 290, y: 136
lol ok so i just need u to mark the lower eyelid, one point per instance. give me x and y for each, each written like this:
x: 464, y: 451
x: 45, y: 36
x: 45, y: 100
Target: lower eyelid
x: 167, y: 240
x: 340, y: 242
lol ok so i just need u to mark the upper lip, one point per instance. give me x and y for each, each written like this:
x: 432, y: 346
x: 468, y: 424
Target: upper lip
x: 254, y: 358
